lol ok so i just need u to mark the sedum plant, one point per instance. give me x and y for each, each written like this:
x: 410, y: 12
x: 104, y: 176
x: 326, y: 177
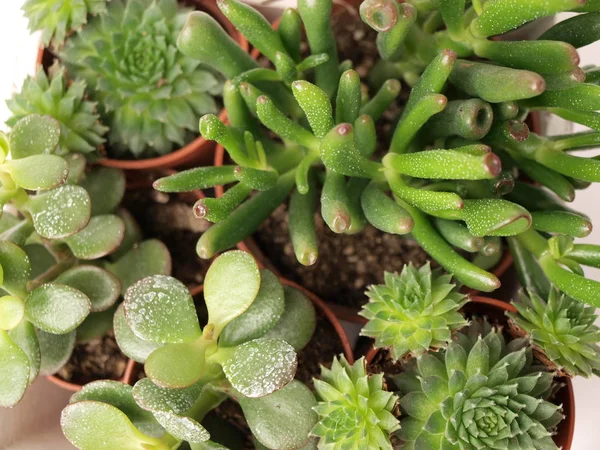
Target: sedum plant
x: 563, y: 329
x: 449, y: 173
x: 246, y: 352
x: 414, y: 311
x: 355, y: 411
x: 57, y: 18
x: 480, y: 392
x: 148, y: 93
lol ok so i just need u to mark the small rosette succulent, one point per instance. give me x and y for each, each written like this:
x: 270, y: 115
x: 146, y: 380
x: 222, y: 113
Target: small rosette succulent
x: 479, y: 393
x: 53, y: 95
x: 355, y: 411
x: 149, y: 93
x: 414, y: 311
x: 56, y: 18
x: 563, y: 329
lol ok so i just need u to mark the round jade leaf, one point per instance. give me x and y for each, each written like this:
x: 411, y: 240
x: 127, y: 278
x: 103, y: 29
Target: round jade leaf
x: 261, y: 366
x: 34, y: 135
x: 77, y: 163
x: 55, y: 350
x: 133, y: 235
x: 12, y: 311
x: 155, y: 398
x: 8, y: 221
x: 134, y: 347
x: 40, y: 258
x: 92, y: 425
x: 160, y: 309
x: 38, y: 172
x: 176, y: 365
x: 24, y: 336
x: 14, y: 371
x: 106, y: 187
x: 298, y: 322
x: 102, y: 287
x: 96, y: 324
x: 120, y: 395
x: 283, y: 419
x: 231, y: 285
x: 56, y: 308
x: 149, y: 258
x: 16, y: 268
x: 60, y: 212
x: 260, y: 317
x: 181, y: 427
x: 101, y: 236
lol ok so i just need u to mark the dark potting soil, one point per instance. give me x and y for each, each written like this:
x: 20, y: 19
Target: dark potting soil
x: 97, y: 359
x: 346, y: 265
x: 169, y: 218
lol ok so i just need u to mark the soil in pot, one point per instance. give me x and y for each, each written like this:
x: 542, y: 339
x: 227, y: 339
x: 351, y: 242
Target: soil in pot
x: 97, y: 359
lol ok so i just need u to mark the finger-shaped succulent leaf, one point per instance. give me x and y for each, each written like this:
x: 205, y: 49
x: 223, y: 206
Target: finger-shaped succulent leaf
x: 16, y: 268
x: 478, y: 393
x: 101, y: 287
x: 563, y: 329
x: 384, y: 213
x: 33, y: 134
x: 106, y: 187
x: 470, y: 119
x: 79, y: 128
x: 14, y: 371
x: 579, y: 31
x: 24, y: 335
x: 261, y: 315
x: 160, y: 309
x: 355, y: 411
x: 260, y: 367
x: 316, y: 105
x: 495, y: 217
x: 197, y: 178
x: 282, y: 419
x: 562, y: 222
x: 384, y: 97
x: 301, y: 222
x: 102, y: 235
x: 149, y: 93
x: 57, y: 308
x: 131, y: 345
x: 55, y: 350
x: 414, y: 311
x: 37, y: 172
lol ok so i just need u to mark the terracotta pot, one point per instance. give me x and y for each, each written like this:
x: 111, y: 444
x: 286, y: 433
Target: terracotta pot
x: 495, y: 309
x: 126, y: 378
x: 199, y: 151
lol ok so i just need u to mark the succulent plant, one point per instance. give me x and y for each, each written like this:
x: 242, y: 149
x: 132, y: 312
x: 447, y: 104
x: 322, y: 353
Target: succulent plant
x: 481, y: 392
x: 148, y: 93
x: 57, y: 18
x: 53, y: 95
x: 355, y: 411
x: 449, y: 174
x: 414, y: 311
x: 246, y: 352
x: 563, y: 329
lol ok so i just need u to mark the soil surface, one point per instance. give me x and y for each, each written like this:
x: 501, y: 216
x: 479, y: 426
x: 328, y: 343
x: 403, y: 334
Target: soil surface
x: 97, y: 359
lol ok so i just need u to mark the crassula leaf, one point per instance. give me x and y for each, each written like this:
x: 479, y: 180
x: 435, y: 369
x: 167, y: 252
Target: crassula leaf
x: 101, y: 236
x: 55, y: 350
x: 164, y: 365
x: 34, y: 135
x: 260, y: 317
x: 14, y: 371
x: 96, y: 324
x: 102, y: 287
x: 16, y: 268
x: 282, y: 419
x: 106, y: 187
x: 38, y: 172
x: 131, y: 345
x: 182, y: 427
x: 160, y: 309
x: 12, y: 311
x: 57, y: 308
x: 225, y: 300
x: 151, y: 397
x: 24, y: 336
x: 260, y: 367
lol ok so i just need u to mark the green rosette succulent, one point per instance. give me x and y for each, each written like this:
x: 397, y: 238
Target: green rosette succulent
x: 479, y: 393
x: 355, y: 411
x: 414, y: 311
x: 53, y: 95
x: 149, y: 93
x: 56, y: 18
x: 563, y: 329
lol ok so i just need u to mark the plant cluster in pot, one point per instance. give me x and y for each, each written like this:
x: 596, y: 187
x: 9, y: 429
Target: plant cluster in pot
x: 122, y: 55
x: 455, y: 171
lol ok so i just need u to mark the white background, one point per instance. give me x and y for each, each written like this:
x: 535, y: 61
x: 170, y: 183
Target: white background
x: 33, y: 424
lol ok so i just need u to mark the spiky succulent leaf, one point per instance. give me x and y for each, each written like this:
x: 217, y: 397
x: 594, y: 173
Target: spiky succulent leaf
x: 563, y: 329
x: 479, y: 393
x: 149, y: 93
x: 56, y: 18
x: 355, y: 411
x: 414, y: 311
x: 53, y: 95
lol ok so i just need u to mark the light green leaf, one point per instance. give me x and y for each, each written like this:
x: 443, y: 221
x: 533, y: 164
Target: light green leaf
x: 131, y: 345
x: 231, y: 285
x: 14, y: 371
x: 77, y: 163
x: 38, y: 172
x: 160, y: 309
x: 182, y: 427
x: 24, y: 336
x: 154, y: 398
x: 106, y: 187
x: 176, y: 365
x: 55, y: 350
x: 34, y: 135
x: 101, y: 236
x: 12, y: 311
x: 15, y: 268
x: 102, y: 287
x: 133, y: 236
x: 260, y: 367
x: 96, y: 325
x: 56, y: 308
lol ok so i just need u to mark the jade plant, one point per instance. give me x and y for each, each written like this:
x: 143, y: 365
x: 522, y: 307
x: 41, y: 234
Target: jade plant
x: 148, y: 93
x: 452, y: 172
x: 414, y: 311
x: 246, y: 352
